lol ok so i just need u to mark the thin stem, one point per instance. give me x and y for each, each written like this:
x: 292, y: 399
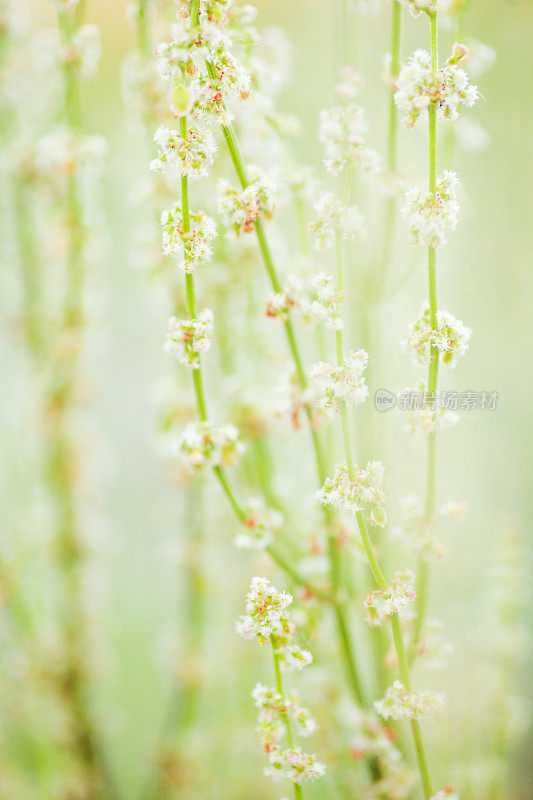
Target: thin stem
x: 392, y: 139
x: 298, y: 794
x: 85, y: 744
x: 142, y: 29
x: 422, y: 567
x: 30, y: 269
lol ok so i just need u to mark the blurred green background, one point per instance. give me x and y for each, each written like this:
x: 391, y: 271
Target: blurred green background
x: 485, y: 278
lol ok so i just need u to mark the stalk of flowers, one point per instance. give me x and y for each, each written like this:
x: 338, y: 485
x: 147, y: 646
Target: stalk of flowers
x: 360, y: 492
x: 245, y: 209
x: 267, y: 619
x: 203, y: 444
x: 435, y: 337
x: 62, y: 157
x: 147, y: 108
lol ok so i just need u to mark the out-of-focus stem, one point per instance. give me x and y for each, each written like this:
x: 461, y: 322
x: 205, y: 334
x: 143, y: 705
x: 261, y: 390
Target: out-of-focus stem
x: 392, y: 141
x: 60, y: 469
x: 30, y: 271
x: 422, y: 583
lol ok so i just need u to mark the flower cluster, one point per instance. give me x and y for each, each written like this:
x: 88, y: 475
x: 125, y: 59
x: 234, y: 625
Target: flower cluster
x: 320, y: 302
x: 450, y: 338
x: 191, y: 154
x: 187, y: 338
x: 342, y: 129
x: 344, y: 385
x: 431, y: 216
x: 325, y: 302
x: 204, y: 95
x: 335, y: 219
x: 417, y: 87
x: 295, y: 765
x: 204, y: 445
x: 242, y: 209
x: 279, y: 303
x: 273, y: 708
x: 267, y: 618
x: 190, y: 247
x: 398, y: 703
x: 260, y: 526
x: 381, y: 604
x: 364, y: 493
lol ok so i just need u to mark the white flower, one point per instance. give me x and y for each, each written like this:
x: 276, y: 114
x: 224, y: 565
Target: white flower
x: 295, y: 765
x: 450, y: 338
x: 344, y: 385
x: 241, y: 209
x: 431, y: 216
x: 381, y: 604
x: 204, y: 445
x: 398, y: 703
x: 187, y: 338
x: 417, y: 88
x: 192, y: 247
x: 365, y: 492
x: 273, y: 707
x: 192, y: 155
x: 266, y: 612
x: 325, y: 303
x: 335, y: 219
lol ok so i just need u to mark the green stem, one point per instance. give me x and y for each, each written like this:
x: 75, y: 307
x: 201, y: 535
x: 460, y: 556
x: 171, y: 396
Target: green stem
x: 298, y: 794
x: 30, y: 268
x: 142, y: 29
x: 392, y: 141
x: 422, y: 566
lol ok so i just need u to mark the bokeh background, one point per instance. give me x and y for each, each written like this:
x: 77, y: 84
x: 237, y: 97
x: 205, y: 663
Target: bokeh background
x: 485, y: 278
